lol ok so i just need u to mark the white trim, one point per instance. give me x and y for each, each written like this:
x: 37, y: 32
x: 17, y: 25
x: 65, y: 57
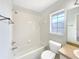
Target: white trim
x: 56, y: 33
x: 62, y: 10
x: 72, y: 7
x: 57, y: 12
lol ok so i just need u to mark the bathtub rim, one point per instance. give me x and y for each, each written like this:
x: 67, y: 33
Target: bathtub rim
x: 19, y: 57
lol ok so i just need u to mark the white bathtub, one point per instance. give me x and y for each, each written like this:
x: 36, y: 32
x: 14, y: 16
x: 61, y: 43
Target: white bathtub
x: 34, y: 54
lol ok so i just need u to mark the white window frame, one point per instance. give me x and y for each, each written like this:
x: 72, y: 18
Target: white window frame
x: 57, y: 33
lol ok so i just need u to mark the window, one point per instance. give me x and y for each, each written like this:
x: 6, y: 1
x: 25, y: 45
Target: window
x: 57, y: 22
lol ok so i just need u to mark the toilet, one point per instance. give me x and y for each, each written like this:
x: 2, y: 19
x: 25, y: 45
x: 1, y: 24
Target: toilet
x: 50, y: 54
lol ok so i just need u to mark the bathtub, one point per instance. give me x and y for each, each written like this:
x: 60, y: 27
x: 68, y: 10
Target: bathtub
x: 34, y: 54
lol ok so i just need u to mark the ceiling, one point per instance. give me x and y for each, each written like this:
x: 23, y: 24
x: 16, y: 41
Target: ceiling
x: 36, y: 5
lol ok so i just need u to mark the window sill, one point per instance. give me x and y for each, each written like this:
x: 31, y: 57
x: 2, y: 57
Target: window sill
x: 55, y: 33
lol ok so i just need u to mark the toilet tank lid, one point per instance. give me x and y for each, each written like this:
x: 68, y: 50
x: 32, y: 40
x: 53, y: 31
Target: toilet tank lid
x: 54, y: 46
x: 56, y: 43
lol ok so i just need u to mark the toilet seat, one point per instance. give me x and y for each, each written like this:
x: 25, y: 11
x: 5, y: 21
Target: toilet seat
x: 48, y: 55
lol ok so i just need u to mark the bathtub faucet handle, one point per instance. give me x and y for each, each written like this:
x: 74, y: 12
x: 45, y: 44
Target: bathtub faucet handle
x: 13, y: 43
x: 14, y: 48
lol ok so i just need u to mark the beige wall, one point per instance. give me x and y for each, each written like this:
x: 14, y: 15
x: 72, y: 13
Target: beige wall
x: 45, y: 35
x: 26, y: 30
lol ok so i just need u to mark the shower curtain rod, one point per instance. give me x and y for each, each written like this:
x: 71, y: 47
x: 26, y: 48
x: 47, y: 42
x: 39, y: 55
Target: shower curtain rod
x: 6, y: 18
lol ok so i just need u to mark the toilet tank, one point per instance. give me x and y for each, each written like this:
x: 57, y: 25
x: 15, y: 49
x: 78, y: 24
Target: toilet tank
x: 54, y: 46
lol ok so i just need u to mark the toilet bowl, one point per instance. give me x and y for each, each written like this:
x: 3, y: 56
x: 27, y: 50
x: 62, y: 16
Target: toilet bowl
x: 50, y: 54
